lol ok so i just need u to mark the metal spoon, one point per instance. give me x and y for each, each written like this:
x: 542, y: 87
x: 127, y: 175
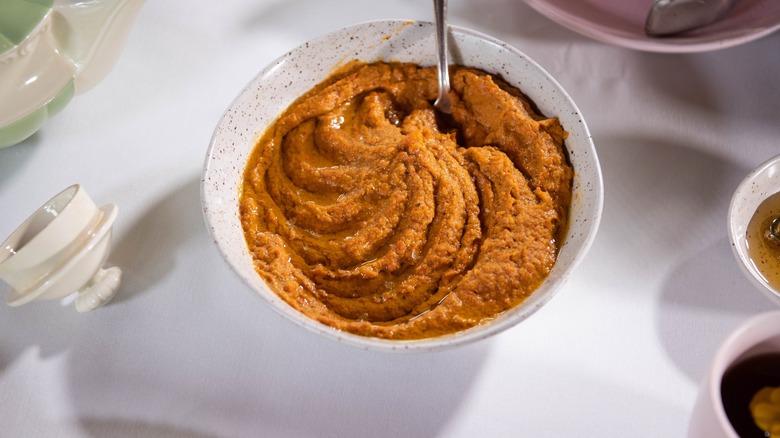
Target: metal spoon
x: 772, y: 234
x: 668, y: 17
x: 442, y: 102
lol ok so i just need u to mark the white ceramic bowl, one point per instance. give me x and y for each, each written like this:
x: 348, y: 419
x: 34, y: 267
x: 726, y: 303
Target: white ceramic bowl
x: 761, y: 183
x: 60, y: 249
x: 287, y: 78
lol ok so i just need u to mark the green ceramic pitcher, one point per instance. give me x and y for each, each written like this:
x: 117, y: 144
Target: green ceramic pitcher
x: 51, y: 50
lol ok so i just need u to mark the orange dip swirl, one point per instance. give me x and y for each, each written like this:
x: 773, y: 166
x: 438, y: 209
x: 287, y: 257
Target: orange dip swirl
x: 369, y: 212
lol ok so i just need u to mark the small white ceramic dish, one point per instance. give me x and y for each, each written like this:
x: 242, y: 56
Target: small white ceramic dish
x: 60, y: 249
x: 287, y: 78
x: 758, y: 335
x: 758, y: 185
x: 622, y: 23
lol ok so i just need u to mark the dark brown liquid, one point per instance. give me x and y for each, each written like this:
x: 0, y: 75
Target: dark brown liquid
x: 740, y: 383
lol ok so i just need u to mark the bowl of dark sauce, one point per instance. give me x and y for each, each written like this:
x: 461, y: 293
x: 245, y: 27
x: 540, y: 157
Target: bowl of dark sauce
x: 750, y: 391
x: 740, y: 394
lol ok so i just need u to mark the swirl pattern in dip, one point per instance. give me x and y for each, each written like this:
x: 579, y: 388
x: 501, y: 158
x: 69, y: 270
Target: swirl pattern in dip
x: 370, y: 212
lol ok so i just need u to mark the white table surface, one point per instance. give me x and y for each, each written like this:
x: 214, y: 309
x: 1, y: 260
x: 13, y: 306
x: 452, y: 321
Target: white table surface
x: 186, y: 350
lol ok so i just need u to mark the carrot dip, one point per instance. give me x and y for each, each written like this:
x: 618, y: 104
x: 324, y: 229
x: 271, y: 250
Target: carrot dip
x: 368, y: 211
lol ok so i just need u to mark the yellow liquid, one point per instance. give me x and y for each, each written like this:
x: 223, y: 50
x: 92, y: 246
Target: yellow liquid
x: 765, y: 254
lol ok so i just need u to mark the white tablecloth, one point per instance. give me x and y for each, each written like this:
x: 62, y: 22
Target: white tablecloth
x: 185, y: 349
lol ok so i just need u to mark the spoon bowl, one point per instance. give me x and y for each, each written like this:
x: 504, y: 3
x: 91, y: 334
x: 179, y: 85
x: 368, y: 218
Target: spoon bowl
x: 669, y: 17
x: 773, y: 232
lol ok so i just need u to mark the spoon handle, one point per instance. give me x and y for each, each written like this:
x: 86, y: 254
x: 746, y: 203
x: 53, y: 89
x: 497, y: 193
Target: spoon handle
x: 443, y: 100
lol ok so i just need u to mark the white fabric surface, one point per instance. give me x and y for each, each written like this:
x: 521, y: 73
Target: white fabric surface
x: 185, y: 349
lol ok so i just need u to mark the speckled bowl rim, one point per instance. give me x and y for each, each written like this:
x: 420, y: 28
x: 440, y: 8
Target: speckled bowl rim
x: 758, y: 185
x: 394, y: 40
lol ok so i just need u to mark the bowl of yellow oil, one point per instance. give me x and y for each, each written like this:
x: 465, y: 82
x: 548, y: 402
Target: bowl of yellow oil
x: 754, y: 227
